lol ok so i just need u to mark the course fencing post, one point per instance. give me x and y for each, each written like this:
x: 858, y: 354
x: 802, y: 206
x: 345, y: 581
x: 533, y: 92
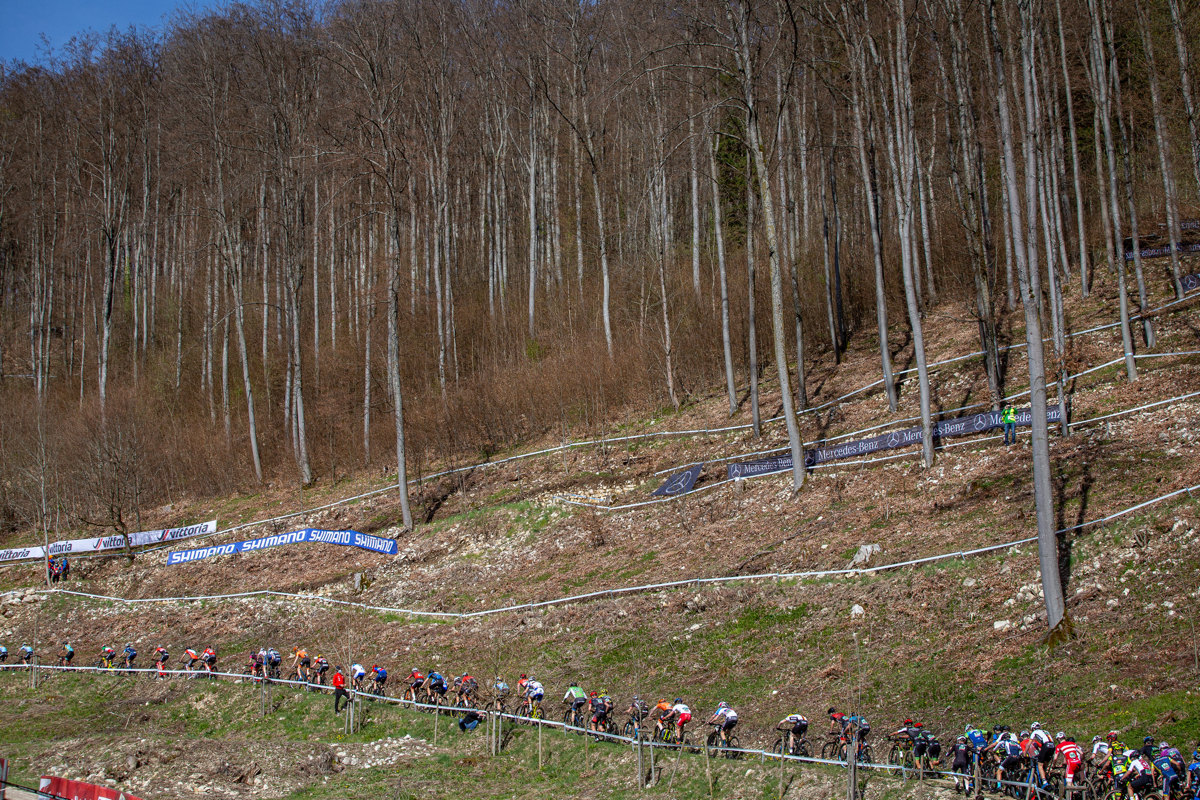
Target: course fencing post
x: 436, y: 714
x: 781, y: 760
x: 978, y: 784
x: 653, y: 774
x: 641, y: 768
x: 708, y: 771
x: 539, y: 745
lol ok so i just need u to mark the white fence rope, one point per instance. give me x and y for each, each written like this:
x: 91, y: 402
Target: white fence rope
x: 653, y: 587
x: 402, y: 703
x: 654, y: 434
x: 835, y: 464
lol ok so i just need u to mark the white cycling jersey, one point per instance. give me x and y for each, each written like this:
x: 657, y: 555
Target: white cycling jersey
x: 727, y: 714
x: 1100, y: 749
x: 357, y: 671
x: 795, y: 719
x: 533, y: 687
x: 681, y: 708
x: 1040, y: 736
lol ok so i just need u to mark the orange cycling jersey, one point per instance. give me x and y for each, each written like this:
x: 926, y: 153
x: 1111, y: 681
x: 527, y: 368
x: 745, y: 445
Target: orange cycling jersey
x: 301, y: 654
x: 664, y: 707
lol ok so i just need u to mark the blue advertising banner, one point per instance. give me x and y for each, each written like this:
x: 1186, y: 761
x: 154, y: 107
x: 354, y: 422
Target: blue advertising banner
x: 378, y: 544
x: 959, y: 426
x: 680, y: 482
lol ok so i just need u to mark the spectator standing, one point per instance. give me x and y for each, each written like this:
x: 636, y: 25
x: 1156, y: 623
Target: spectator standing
x: 339, y: 691
x: 1008, y: 420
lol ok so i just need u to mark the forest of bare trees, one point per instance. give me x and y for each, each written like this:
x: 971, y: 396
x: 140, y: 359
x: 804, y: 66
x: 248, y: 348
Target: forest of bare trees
x: 229, y: 252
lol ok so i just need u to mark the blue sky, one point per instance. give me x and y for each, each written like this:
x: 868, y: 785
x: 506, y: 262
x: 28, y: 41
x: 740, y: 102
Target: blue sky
x: 22, y: 22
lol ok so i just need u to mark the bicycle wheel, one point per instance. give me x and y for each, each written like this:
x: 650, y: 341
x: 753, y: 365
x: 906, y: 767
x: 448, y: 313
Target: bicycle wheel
x: 801, y: 749
x: 829, y: 751
x: 569, y: 718
x: 777, y: 748
x: 629, y: 731
x: 713, y: 744
x: 866, y: 756
x: 895, y: 755
x: 733, y: 748
x: 294, y: 676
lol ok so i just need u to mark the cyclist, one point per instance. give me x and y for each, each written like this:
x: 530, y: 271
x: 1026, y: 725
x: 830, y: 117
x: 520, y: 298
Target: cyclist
x: 1138, y: 775
x: 927, y: 746
x: 26, y: 653
x: 907, y: 732
x: 1192, y: 789
x: 3, y: 654
x: 129, y: 654
x: 637, y: 711
x: 1119, y: 760
x: 301, y: 662
x: 963, y: 753
x: 683, y: 715
x: 357, y: 674
x: 665, y: 712
x: 1045, y: 749
x: 575, y: 697
x: 1101, y: 751
x: 209, y: 659
x: 1009, y: 751
x: 796, y: 726
x: 464, y: 688
x: 524, y: 679
x: 837, y: 722
x: 436, y: 683
x: 65, y: 655
x: 601, y: 706
x: 858, y: 723
x: 1071, y: 755
x: 161, y: 657
x: 274, y: 661
x: 1148, y: 748
x: 415, y: 681
x: 502, y: 691
x: 534, y: 693
x: 1169, y: 763
x: 321, y: 666
x: 379, y: 675
x: 190, y: 657
x: 725, y: 720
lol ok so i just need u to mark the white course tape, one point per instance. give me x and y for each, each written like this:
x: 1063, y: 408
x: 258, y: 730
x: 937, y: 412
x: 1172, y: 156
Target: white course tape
x: 615, y: 591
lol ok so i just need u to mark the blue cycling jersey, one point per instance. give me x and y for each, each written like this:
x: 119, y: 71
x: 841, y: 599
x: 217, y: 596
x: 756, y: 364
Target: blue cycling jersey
x: 1010, y: 748
x: 129, y: 652
x: 977, y: 738
x: 1166, y: 767
x: 380, y: 672
x: 436, y: 677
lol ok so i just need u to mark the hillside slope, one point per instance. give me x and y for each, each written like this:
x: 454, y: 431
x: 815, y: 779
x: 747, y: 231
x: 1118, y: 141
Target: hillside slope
x: 953, y: 641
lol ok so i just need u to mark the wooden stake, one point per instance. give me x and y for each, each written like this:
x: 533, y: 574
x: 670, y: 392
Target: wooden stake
x: 708, y: 771
x: 539, y: 745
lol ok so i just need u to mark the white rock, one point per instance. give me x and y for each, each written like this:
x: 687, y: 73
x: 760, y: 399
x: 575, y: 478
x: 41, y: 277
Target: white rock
x: 1002, y: 625
x: 857, y: 611
x: 969, y: 582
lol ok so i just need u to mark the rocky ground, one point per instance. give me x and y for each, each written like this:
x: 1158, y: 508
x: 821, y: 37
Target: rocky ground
x: 955, y: 640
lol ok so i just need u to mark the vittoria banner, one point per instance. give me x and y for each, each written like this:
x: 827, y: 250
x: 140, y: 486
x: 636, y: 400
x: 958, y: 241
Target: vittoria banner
x: 78, y: 790
x: 378, y: 544
x: 116, y: 542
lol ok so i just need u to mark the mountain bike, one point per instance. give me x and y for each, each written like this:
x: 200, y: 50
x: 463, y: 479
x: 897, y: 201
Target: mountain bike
x: 632, y: 729
x: 573, y: 718
x: 834, y: 748
x: 730, y: 747
x: 799, y: 746
x: 901, y: 754
x: 669, y: 734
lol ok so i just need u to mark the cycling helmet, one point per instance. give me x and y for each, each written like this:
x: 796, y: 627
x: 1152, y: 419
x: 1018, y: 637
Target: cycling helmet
x: 723, y: 704
x: 968, y: 728
x: 523, y: 676
x: 592, y: 693
x: 918, y: 725
x: 603, y: 693
x: 1196, y: 755
x: 1113, y: 736
x: 908, y: 722
x: 678, y: 699
x: 1164, y: 746
x: 831, y: 710
x: 1024, y: 734
x: 662, y: 700
x: 1058, y: 737
x: 636, y: 698
x: 1037, y: 726
x: 1096, y: 738
x: 961, y: 739
x: 1148, y: 740
x: 129, y: 644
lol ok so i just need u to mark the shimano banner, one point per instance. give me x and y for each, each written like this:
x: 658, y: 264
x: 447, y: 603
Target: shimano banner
x: 115, y: 542
x: 378, y: 544
x: 959, y: 426
x: 680, y: 482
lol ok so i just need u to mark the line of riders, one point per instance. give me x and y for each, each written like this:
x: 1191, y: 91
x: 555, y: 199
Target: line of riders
x: 1004, y: 761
